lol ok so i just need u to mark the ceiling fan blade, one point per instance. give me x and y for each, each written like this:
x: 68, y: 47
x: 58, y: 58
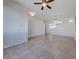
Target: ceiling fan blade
x: 49, y: 7
x: 37, y: 3
x: 42, y: 8
x: 44, y: 0
x: 50, y: 1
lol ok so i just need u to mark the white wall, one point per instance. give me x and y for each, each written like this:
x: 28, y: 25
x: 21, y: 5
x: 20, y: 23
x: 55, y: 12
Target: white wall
x: 15, y: 25
x: 36, y: 27
x: 65, y: 29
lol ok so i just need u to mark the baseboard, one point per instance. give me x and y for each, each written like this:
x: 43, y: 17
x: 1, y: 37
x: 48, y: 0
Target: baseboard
x: 7, y: 46
x: 34, y: 36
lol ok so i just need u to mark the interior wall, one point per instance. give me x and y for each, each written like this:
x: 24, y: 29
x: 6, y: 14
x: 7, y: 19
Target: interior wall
x: 15, y: 25
x: 36, y: 27
x: 64, y: 29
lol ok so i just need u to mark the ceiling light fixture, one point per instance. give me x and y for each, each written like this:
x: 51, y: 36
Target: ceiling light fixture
x: 58, y: 22
x: 70, y: 21
x: 32, y: 13
x: 51, y: 26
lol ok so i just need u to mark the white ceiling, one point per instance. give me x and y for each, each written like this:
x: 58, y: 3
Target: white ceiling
x: 60, y: 8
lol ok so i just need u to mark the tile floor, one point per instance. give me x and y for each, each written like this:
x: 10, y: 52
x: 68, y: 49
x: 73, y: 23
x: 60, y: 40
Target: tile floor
x: 43, y: 47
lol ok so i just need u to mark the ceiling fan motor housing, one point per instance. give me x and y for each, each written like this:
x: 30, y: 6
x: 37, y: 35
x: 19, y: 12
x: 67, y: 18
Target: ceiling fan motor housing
x: 45, y: 4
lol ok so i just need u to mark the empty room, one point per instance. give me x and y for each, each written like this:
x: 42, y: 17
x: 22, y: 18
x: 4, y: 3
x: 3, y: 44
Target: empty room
x: 39, y: 29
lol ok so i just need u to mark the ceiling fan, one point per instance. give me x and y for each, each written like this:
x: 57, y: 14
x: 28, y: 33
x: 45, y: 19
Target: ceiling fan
x: 44, y: 3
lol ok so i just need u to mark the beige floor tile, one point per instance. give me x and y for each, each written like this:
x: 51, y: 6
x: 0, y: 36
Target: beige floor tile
x: 10, y: 53
x: 44, y: 47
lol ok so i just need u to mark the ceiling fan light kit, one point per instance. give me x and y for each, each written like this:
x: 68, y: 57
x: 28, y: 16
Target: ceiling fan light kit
x: 44, y: 4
